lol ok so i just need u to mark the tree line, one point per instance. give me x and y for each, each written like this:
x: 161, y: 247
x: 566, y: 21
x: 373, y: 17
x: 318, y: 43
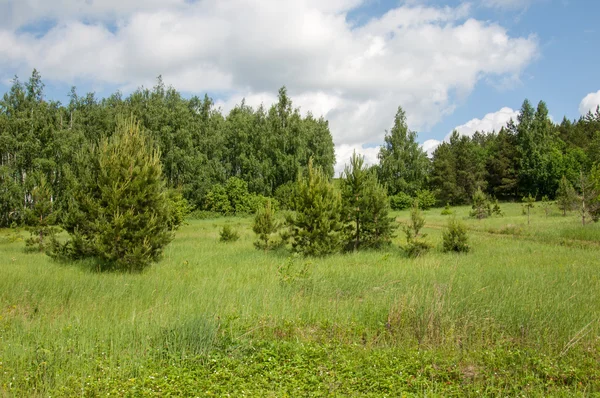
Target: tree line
x: 527, y: 157
x: 229, y: 163
x: 201, y: 148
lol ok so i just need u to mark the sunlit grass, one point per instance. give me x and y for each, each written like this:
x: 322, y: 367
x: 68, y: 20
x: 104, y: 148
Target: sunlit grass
x: 528, y: 287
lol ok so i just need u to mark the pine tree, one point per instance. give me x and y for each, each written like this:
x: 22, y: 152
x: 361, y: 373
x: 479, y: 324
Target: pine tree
x: 265, y: 226
x: 366, y: 208
x: 41, y: 216
x: 120, y: 212
x: 481, y: 206
x: 565, y: 196
x: 528, y: 204
x: 315, y: 229
x: 415, y: 240
x: 455, y: 237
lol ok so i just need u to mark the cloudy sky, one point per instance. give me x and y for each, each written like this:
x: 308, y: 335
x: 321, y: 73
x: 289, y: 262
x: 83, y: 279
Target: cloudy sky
x: 449, y: 64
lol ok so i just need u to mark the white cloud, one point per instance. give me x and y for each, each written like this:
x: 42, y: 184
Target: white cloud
x: 589, y: 103
x: 344, y: 152
x: 490, y: 123
x: 413, y: 56
x: 430, y: 146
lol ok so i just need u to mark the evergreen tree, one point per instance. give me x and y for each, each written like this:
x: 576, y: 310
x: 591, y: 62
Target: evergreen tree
x: 565, y: 196
x: 416, y: 245
x: 365, y: 208
x: 528, y: 204
x: 315, y: 229
x: 265, y: 225
x: 120, y: 212
x: 40, y: 216
x: 481, y: 207
x: 455, y: 237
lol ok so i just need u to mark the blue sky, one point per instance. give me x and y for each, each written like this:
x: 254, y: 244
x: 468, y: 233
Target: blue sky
x: 449, y: 64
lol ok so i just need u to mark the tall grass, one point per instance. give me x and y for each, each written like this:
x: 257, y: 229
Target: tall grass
x: 62, y: 325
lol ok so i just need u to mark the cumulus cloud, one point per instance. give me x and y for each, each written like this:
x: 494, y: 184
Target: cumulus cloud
x: 344, y: 152
x: 589, y: 103
x: 419, y: 57
x: 492, y: 122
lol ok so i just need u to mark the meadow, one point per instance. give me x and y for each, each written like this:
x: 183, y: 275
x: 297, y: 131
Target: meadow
x: 517, y: 316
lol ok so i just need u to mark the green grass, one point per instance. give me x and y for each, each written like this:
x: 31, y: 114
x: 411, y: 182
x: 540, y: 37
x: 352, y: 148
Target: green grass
x: 519, y: 315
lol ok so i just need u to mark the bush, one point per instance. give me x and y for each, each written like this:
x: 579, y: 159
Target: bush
x: 481, y: 205
x: 401, y: 201
x: 447, y: 211
x: 217, y: 200
x: 415, y: 243
x: 265, y: 226
x: 455, y: 237
x: 228, y: 234
x: 285, y: 195
x: 180, y: 209
x: 426, y: 199
x: 120, y: 212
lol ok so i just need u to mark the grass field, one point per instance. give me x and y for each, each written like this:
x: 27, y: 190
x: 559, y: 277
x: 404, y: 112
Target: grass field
x: 518, y: 316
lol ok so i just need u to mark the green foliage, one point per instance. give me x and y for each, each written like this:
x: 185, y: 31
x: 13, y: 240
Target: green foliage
x: 547, y: 205
x: 288, y: 273
x: 180, y: 209
x: 315, y: 229
x: 455, y: 238
x: 11, y: 207
x: 415, y: 240
x: 458, y: 169
x: 285, y: 195
x: 121, y: 212
x: 566, y: 197
x: 234, y: 198
x: 401, y: 201
x: 41, y: 217
x: 496, y: 210
x: 528, y: 204
x: 481, y: 207
x: 365, y: 208
x: 426, y: 199
x: 447, y: 211
x: 403, y: 163
x: 228, y: 234
x: 265, y: 226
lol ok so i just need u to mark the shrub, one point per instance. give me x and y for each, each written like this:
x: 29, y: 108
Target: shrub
x: 426, y: 199
x: 481, y: 206
x: 447, y: 211
x: 217, y: 200
x: 496, y: 210
x: 401, y: 201
x: 265, y: 226
x: 228, y: 234
x: 455, y: 237
x: 415, y: 243
x: 285, y: 195
x: 180, y: 209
